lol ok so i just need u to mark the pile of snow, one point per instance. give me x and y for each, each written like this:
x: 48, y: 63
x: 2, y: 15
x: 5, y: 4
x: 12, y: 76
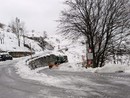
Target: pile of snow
x: 108, y: 68
x: 120, y: 59
x: 76, y: 53
x: 127, y: 69
x: 73, y: 67
x: 111, y: 68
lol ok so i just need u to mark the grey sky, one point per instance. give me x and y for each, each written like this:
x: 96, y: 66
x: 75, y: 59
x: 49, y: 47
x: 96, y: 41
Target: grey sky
x: 39, y: 15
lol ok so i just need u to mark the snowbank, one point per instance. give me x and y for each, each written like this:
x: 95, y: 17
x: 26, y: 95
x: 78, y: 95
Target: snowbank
x: 73, y: 67
x: 111, y: 68
x: 108, y: 68
x: 25, y: 72
x: 127, y: 69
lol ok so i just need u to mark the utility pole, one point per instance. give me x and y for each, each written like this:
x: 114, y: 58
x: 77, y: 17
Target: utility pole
x: 87, y: 46
x: 31, y: 49
x: 89, y: 56
x: 23, y: 37
x: 17, y: 30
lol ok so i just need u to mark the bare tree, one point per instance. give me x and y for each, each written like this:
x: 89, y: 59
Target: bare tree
x: 18, y: 28
x: 42, y: 43
x: 104, y: 23
x: 2, y: 25
x: 2, y: 35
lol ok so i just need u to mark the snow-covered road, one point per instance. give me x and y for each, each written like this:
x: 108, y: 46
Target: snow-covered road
x: 94, y: 85
x: 68, y: 84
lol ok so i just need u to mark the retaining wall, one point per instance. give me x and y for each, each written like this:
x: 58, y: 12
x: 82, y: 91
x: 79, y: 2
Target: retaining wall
x: 48, y: 60
x: 42, y: 61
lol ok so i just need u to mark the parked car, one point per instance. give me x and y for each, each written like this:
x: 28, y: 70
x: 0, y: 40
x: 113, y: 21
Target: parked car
x: 4, y: 57
x: 1, y: 59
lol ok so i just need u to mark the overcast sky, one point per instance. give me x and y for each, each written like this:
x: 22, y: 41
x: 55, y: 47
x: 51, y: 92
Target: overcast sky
x: 38, y: 15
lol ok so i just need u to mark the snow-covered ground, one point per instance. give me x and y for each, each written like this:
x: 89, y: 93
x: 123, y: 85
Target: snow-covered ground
x: 74, y: 50
x: 25, y: 72
x: 10, y: 42
x: 64, y: 81
x: 33, y: 44
x: 75, y: 53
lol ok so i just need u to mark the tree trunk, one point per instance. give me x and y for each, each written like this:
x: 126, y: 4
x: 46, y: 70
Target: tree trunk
x: 19, y: 43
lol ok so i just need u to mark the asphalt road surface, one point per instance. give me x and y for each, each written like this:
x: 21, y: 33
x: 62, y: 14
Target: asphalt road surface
x: 79, y: 84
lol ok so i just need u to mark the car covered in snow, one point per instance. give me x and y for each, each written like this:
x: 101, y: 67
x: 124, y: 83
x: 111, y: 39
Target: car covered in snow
x: 4, y: 57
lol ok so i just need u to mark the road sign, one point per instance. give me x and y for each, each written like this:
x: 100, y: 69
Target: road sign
x: 90, y: 56
x: 89, y: 50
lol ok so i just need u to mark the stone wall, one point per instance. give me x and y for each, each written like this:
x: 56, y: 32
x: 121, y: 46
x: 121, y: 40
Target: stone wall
x: 42, y: 61
x: 45, y: 61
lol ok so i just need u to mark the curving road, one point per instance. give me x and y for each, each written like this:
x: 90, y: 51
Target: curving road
x: 77, y: 84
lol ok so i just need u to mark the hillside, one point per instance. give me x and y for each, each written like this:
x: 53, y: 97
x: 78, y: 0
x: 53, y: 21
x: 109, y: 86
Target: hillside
x: 55, y: 43
x: 9, y: 42
x: 72, y: 48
